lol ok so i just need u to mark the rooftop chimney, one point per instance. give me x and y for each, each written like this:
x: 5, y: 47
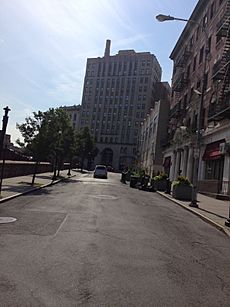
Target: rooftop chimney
x: 107, y: 48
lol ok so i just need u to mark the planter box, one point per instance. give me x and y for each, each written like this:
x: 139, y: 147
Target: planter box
x: 160, y: 185
x: 182, y: 192
x: 133, y: 181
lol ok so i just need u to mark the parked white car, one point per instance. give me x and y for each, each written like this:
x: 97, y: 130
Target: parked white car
x: 100, y: 172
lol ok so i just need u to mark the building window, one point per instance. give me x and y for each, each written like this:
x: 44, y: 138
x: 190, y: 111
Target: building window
x: 205, y: 21
x: 185, y: 101
x: 191, y: 42
x: 209, y: 44
x: 188, y: 71
x: 212, y: 10
x: 206, y: 81
x: 194, y: 63
x: 218, y: 38
x: 213, y: 169
x: 201, y: 55
x: 197, y: 33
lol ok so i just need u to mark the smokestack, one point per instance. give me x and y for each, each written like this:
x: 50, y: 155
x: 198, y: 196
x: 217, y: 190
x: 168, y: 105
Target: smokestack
x: 107, y: 48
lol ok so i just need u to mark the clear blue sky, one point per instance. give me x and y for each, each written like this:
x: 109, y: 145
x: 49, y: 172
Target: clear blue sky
x: 44, y: 45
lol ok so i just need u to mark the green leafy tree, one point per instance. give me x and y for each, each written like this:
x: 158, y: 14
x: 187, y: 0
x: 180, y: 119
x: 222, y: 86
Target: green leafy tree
x: 85, y: 146
x: 48, y: 136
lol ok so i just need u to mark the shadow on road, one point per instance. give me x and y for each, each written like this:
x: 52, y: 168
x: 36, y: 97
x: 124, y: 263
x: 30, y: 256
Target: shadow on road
x: 19, y: 188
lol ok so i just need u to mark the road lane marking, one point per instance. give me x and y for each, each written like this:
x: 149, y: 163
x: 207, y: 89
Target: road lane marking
x: 7, y: 219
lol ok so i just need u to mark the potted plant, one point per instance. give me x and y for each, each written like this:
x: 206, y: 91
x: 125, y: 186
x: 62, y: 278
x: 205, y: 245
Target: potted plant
x: 135, y: 178
x: 160, y: 181
x: 182, y: 189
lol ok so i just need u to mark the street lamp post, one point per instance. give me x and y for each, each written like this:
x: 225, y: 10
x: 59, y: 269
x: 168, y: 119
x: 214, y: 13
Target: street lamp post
x: 3, y: 132
x: 163, y: 18
x: 2, y: 136
x: 2, y: 168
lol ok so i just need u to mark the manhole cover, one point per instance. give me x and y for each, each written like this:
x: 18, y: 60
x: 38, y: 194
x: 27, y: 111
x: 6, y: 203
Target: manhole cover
x: 104, y: 196
x: 7, y: 219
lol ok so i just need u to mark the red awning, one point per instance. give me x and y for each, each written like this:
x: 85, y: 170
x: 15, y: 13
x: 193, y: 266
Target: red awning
x: 212, y: 151
x: 167, y: 162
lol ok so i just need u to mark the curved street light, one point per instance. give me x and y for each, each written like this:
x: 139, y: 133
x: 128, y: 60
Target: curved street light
x: 162, y: 18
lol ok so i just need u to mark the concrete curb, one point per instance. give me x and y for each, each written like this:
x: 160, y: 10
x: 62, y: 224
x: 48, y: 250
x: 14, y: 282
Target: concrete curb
x: 203, y: 217
x: 5, y: 199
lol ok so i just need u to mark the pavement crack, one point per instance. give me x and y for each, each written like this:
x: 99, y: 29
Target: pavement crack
x: 223, y: 284
x: 197, y: 242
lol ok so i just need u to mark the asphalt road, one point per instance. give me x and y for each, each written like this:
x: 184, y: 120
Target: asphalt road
x: 97, y: 242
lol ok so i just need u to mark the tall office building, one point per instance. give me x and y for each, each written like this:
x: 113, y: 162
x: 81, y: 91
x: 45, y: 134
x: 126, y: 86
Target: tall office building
x: 117, y: 94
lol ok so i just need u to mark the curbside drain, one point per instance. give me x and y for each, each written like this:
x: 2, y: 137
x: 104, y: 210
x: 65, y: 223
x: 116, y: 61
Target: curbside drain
x: 7, y: 219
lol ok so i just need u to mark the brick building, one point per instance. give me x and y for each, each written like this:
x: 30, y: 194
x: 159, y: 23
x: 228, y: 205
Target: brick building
x: 205, y: 37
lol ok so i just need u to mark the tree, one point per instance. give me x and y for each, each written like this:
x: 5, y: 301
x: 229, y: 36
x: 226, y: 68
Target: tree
x: 48, y: 136
x: 85, y: 146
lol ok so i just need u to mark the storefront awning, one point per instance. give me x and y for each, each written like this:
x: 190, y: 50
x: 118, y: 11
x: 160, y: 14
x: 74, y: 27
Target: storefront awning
x: 212, y: 151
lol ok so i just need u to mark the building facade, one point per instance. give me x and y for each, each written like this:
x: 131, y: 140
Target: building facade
x: 200, y: 99
x: 153, y: 131
x: 74, y: 114
x: 117, y: 95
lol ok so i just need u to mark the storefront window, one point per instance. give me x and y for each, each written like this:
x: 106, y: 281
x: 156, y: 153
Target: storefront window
x: 214, y: 169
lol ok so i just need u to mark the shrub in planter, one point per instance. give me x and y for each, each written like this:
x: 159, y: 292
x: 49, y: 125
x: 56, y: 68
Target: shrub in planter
x: 182, y: 189
x: 160, y: 182
x: 133, y: 181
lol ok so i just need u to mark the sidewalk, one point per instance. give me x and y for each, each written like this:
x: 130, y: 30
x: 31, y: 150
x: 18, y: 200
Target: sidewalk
x: 16, y: 186
x: 212, y: 210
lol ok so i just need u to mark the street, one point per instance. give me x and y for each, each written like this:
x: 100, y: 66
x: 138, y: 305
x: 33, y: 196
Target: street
x: 97, y: 242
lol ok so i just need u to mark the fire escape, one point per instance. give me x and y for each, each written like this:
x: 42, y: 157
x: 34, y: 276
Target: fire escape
x: 180, y: 81
x: 220, y: 108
